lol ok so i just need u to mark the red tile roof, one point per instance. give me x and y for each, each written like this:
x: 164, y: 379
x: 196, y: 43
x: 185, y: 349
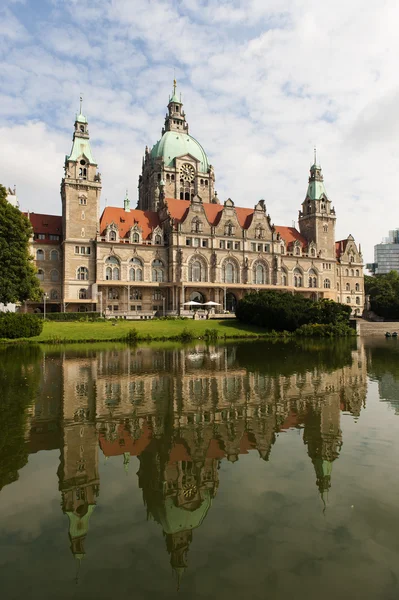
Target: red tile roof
x: 340, y: 247
x: 45, y: 223
x: 125, y: 442
x: 147, y: 220
x: 290, y: 234
x: 178, y: 210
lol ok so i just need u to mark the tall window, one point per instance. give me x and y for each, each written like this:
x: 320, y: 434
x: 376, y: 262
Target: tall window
x: 298, y: 281
x: 53, y: 295
x: 230, y: 272
x: 83, y: 274
x: 112, y: 271
x: 196, y: 225
x: 112, y: 236
x: 135, y: 294
x: 54, y: 275
x: 113, y: 294
x: 158, y: 240
x: 312, y: 278
x: 348, y: 287
x: 135, y: 238
x: 229, y: 229
x: 136, y: 269
x: 357, y: 300
x: 40, y: 274
x: 327, y: 284
x: 82, y: 294
x: 39, y: 254
x: 260, y: 274
x: 54, y: 255
x: 284, y: 277
x: 158, y: 270
x: 197, y: 270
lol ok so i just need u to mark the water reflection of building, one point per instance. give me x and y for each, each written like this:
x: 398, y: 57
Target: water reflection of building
x: 181, y: 412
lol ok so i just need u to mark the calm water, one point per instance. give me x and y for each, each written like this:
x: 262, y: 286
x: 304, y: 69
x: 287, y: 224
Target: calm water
x: 248, y: 470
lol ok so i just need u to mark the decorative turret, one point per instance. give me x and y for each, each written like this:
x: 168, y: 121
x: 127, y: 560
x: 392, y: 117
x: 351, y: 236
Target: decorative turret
x: 175, y: 119
x: 126, y: 203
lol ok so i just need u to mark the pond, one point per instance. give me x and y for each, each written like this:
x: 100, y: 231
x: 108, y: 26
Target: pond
x: 253, y: 469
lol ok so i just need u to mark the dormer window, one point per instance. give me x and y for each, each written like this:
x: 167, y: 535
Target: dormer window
x: 112, y: 236
x: 158, y: 239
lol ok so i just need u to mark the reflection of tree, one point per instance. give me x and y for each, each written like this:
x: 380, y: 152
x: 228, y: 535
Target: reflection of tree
x: 383, y: 365
x: 19, y: 381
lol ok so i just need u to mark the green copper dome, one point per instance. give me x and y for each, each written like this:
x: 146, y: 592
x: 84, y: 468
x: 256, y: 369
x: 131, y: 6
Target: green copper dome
x: 174, y: 144
x: 174, y: 518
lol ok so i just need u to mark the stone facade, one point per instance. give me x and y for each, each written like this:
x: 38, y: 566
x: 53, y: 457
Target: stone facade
x: 181, y: 243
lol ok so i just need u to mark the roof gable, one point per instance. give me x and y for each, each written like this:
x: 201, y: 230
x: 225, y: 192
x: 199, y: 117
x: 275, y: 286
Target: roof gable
x: 147, y: 220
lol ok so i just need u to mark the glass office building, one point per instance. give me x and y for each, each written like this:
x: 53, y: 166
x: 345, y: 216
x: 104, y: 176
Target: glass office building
x: 386, y: 254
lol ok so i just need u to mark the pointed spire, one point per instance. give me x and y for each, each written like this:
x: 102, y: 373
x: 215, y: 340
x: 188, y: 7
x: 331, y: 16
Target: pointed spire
x: 315, y: 157
x: 126, y: 203
x: 174, y: 97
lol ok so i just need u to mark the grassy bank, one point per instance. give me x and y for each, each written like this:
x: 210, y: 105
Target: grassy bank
x: 101, y: 331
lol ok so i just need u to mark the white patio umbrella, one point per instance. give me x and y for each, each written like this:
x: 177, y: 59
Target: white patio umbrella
x: 211, y: 303
x: 192, y: 303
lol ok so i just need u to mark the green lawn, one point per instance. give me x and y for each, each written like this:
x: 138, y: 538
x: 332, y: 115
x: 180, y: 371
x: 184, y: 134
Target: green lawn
x: 54, y: 331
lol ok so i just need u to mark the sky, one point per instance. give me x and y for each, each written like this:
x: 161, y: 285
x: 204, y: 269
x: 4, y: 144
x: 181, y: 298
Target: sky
x: 263, y: 82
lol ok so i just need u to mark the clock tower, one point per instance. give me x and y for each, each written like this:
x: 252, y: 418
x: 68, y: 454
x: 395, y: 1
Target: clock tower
x: 177, y: 164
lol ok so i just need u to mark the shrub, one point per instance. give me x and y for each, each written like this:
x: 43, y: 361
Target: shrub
x: 18, y: 325
x: 71, y: 316
x: 211, y: 334
x: 186, y: 336
x: 321, y: 330
x: 132, y: 336
x: 283, y: 311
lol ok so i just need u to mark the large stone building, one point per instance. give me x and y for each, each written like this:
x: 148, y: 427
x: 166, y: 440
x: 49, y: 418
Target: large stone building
x: 182, y: 243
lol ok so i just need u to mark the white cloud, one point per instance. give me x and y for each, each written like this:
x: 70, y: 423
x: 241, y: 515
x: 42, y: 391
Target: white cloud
x: 262, y: 84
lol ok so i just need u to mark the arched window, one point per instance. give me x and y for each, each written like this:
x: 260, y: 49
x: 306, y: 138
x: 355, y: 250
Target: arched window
x: 54, y: 275
x: 352, y: 273
x: 230, y: 272
x: 197, y: 270
x: 351, y: 258
x: 158, y: 270
x: 325, y: 228
x: 357, y: 287
x: 40, y: 274
x: 338, y: 286
x: 112, y: 270
x: 297, y: 250
x: 348, y: 287
x: 312, y: 252
x: 135, y: 238
x: 357, y: 272
x: 348, y: 300
x: 298, y: 281
x: 82, y: 294
x: 54, y: 255
x: 312, y: 278
x: 136, y: 269
x: 347, y: 272
x: 82, y: 274
x: 284, y: 277
x: 327, y: 284
x: 53, y: 295
x: 112, y: 236
x: 260, y: 273
x: 40, y: 254
x: 158, y: 240
x: 357, y: 300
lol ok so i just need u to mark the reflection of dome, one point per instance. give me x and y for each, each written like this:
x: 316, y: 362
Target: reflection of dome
x: 174, y: 518
x: 174, y: 144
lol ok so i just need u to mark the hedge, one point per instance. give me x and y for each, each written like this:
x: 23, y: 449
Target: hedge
x: 71, y: 316
x: 17, y: 325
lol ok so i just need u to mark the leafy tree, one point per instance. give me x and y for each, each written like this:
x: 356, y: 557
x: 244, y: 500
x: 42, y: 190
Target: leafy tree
x: 18, y: 281
x: 283, y: 311
x: 384, y: 294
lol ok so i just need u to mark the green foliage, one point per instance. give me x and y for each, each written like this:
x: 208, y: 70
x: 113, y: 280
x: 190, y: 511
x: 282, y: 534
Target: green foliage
x: 132, y: 336
x: 18, y: 281
x: 321, y: 330
x: 284, y: 311
x: 18, y: 325
x: 211, y: 334
x: 71, y: 316
x: 384, y: 294
x: 186, y: 335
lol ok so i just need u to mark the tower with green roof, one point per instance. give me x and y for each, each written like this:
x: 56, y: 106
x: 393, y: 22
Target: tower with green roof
x: 178, y: 160
x: 317, y: 217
